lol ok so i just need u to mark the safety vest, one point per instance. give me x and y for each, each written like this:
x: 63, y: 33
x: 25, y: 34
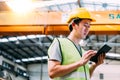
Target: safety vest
x: 70, y: 54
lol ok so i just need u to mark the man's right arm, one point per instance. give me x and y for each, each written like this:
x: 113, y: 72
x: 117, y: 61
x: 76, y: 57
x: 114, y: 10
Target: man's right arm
x: 55, y: 69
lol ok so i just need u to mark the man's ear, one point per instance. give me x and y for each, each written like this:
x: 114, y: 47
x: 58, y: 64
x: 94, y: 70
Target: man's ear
x: 73, y: 24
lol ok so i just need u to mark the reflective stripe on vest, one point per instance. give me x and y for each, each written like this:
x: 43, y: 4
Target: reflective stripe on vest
x: 70, y: 55
x: 74, y: 75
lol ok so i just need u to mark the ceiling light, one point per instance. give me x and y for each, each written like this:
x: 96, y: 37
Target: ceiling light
x: 12, y: 39
x: 4, y: 40
x: 20, y: 6
x: 25, y: 60
x: 21, y: 37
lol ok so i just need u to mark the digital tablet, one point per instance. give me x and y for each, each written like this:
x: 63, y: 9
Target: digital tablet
x: 104, y: 49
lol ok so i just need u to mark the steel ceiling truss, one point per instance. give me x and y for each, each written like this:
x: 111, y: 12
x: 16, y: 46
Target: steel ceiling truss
x: 37, y: 47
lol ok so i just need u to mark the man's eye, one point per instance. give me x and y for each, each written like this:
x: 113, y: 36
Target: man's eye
x: 87, y: 25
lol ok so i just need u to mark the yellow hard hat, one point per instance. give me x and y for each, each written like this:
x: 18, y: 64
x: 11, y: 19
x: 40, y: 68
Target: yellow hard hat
x: 80, y: 13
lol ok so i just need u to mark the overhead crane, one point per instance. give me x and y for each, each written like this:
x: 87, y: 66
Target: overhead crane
x: 53, y: 23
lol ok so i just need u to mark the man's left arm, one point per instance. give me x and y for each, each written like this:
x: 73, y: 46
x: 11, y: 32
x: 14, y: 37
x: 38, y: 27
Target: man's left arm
x: 94, y: 65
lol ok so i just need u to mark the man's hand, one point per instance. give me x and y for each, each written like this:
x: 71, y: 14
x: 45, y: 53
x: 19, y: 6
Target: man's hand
x: 86, y: 57
x: 94, y: 65
x: 100, y: 59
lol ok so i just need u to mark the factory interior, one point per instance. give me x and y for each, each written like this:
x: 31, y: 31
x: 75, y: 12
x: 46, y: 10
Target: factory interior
x: 28, y: 27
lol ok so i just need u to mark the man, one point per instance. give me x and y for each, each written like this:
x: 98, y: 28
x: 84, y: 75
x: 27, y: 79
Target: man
x: 67, y: 59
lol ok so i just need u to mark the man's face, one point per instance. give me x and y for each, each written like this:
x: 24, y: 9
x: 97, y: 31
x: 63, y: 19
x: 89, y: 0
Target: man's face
x: 82, y: 28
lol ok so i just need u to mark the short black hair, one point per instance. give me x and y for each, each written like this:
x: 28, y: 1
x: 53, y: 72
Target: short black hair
x: 76, y: 21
